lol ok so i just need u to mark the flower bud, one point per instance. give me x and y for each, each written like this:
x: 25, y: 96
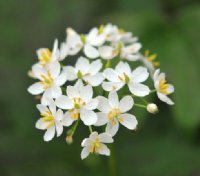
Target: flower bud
x: 69, y: 139
x: 152, y: 108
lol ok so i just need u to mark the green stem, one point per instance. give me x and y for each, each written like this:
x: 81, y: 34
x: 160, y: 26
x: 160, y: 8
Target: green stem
x: 152, y: 91
x: 90, y: 129
x: 74, y: 127
x: 112, y: 162
x: 108, y: 64
x: 140, y: 105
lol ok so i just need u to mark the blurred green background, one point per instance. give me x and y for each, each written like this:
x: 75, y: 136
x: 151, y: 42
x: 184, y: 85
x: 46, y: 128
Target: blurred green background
x: 166, y: 144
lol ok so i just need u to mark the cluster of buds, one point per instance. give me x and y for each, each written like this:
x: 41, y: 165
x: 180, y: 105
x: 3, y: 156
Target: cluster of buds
x: 100, y: 90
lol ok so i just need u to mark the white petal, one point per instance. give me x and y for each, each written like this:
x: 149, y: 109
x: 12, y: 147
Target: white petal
x: 41, y: 124
x: 104, y: 150
x: 113, y: 99
x: 94, y: 80
x: 132, y: 57
x: 93, y: 135
x: 102, y: 119
x: 112, y: 128
x: 111, y: 75
x: 72, y: 92
x: 126, y: 103
x: 156, y: 74
x: 91, y: 52
x: 36, y: 89
x: 103, y: 105
x: 138, y: 89
x: 140, y: 74
x: 92, y: 104
x: 52, y: 106
x: 85, y: 152
x: 59, y: 128
x: 59, y: 115
x: 95, y: 67
x: 85, y: 142
x: 86, y: 93
x: 54, y: 69
x: 170, y: 89
x: 82, y: 64
x: 71, y: 73
x: 64, y: 102
x: 38, y: 70
x: 165, y: 99
x: 61, y: 79
x: 123, y: 67
x: 55, y: 91
x: 129, y: 121
x: 88, y: 117
x: 67, y: 120
x: 105, y: 138
x: 42, y: 108
x: 49, y: 134
x: 107, y: 52
x: 112, y: 86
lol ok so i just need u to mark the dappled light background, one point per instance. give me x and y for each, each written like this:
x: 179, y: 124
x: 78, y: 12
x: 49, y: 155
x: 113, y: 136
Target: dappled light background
x: 165, y: 144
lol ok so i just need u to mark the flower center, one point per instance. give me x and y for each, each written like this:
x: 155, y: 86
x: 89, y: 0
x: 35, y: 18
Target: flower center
x: 48, y: 117
x: 95, y: 146
x: 74, y: 114
x: 113, y: 115
x: 47, y: 80
x: 45, y: 56
x: 163, y: 87
x: 124, y: 77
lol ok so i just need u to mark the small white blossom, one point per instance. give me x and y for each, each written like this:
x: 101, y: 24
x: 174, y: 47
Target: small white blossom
x: 50, y: 81
x: 79, y: 103
x: 123, y: 75
x: 163, y: 89
x: 95, y: 144
x: 50, y: 121
x: 88, y: 72
x: 45, y: 56
x: 114, y: 112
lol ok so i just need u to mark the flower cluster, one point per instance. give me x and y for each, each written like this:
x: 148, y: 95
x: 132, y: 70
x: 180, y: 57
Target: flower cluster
x: 100, y: 90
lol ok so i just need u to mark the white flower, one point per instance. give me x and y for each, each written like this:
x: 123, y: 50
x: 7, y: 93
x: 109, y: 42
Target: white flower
x: 75, y: 42
x: 123, y: 75
x: 50, y: 121
x: 114, y: 111
x: 79, y: 103
x: 163, y: 89
x: 50, y: 81
x: 89, y: 72
x: 45, y: 56
x: 130, y: 52
x: 95, y: 144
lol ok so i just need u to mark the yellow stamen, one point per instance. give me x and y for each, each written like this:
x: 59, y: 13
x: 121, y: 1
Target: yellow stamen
x: 47, y: 80
x: 163, y: 86
x: 151, y: 58
x: 95, y: 146
x: 45, y: 56
x: 74, y: 114
x: 48, y: 117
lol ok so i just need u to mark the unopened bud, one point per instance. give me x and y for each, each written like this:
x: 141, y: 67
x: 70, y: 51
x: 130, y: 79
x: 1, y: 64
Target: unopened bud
x: 152, y: 108
x: 69, y: 139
